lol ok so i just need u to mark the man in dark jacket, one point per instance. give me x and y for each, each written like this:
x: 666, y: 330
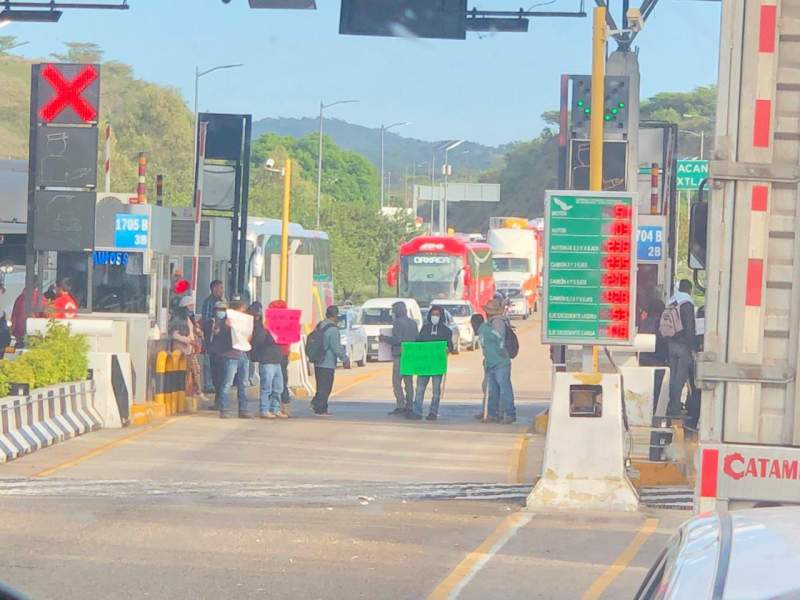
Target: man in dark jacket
x: 325, y: 370
x: 404, y: 329
x: 218, y: 343
x: 433, y: 331
x: 681, y: 347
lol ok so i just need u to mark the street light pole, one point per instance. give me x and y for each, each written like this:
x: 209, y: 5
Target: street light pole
x: 322, y: 107
x: 443, y: 212
x: 197, y: 75
x: 384, y: 129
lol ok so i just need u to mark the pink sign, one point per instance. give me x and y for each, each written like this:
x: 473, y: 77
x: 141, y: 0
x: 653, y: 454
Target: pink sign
x: 283, y: 324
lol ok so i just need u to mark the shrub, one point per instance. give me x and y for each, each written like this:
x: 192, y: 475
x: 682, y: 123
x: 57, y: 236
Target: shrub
x: 58, y: 356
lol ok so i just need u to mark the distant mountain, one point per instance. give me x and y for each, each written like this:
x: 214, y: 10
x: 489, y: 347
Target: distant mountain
x: 400, y: 152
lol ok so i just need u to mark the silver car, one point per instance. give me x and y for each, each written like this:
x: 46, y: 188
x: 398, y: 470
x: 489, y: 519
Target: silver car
x: 749, y: 554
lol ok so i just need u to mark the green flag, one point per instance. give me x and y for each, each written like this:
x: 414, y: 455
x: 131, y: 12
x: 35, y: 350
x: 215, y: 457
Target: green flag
x: 423, y: 358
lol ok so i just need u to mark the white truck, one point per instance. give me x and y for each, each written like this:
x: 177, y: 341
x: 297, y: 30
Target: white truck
x: 516, y: 259
x: 749, y: 450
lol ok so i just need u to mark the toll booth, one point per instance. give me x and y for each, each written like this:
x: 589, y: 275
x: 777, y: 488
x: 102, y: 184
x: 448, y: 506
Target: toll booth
x: 123, y: 277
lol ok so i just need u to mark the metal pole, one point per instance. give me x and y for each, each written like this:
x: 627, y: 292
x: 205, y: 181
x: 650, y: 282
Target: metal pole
x: 597, y: 103
x: 198, y: 213
x: 597, y: 110
x: 383, y: 181
x: 196, y: 116
x: 319, y: 164
x: 107, y: 162
x: 287, y: 200
x: 433, y: 182
x: 702, y: 143
x: 443, y: 214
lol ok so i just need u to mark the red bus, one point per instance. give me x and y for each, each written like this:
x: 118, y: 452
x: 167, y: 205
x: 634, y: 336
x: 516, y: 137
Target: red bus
x: 434, y: 268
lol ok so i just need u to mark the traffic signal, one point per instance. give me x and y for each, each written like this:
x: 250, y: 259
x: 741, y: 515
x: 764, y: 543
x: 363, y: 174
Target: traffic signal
x: 615, y: 113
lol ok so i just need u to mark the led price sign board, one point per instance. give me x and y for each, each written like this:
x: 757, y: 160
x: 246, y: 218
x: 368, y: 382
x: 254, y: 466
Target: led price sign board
x: 590, y: 268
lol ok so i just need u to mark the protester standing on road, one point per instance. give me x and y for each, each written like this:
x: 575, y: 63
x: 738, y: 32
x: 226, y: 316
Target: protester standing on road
x: 678, y: 327
x: 433, y: 331
x: 268, y: 356
x: 184, y: 338
x: 325, y: 363
x: 404, y: 329
x: 218, y: 344
x: 286, y: 350
x: 237, y: 363
x: 206, y: 322
x: 497, y: 363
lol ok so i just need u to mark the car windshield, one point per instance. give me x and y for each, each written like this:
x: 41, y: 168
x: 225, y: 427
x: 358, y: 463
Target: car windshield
x: 376, y: 316
x: 459, y: 310
x: 513, y: 265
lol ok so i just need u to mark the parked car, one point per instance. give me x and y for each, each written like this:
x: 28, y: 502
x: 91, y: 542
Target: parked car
x: 354, y: 338
x: 750, y: 554
x: 461, y: 312
x: 376, y: 314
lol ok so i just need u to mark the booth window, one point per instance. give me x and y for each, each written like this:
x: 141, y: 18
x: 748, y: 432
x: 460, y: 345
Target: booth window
x: 119, y: 284
x: 75, y: 267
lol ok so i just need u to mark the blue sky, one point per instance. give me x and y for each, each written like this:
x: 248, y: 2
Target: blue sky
x: 489, y: 89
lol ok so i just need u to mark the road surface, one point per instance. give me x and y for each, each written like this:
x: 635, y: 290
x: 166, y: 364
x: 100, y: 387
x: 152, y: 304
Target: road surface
x: 361, y: 505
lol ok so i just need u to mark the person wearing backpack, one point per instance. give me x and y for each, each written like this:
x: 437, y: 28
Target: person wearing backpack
x: 499, y: 344
x: 324, y: 348
x: 677, y: 326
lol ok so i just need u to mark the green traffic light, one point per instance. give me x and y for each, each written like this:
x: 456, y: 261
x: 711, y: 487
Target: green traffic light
x: 587, y: 110
x: 614, y: 110
x: 580, y: 102
x: 622, y: 105
x: 607, y: 117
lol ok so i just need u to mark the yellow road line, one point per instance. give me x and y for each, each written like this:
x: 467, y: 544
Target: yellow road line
x: 623, y: 560
x: 358, y: 380
x: 102, y: 449
x: 457, y: 580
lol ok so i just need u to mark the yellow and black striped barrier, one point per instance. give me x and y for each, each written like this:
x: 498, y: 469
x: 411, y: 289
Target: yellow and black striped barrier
x: 170, y: 385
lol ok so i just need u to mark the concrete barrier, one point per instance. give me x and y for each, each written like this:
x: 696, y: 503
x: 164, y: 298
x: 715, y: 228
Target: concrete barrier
x: 45, y: 417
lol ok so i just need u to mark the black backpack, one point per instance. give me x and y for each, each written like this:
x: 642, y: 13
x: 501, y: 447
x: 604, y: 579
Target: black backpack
x: 315, y: 344
x: 512, y: 342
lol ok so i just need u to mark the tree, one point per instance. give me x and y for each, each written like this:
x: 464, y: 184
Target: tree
x: 8, y: 43
x: 80, y: 52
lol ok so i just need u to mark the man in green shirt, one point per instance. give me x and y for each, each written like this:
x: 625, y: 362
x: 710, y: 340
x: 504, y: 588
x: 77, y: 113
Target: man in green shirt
x: 497, y: 364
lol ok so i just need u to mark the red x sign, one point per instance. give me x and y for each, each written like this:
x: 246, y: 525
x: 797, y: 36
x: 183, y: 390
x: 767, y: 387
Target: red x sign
x: 68, y: 93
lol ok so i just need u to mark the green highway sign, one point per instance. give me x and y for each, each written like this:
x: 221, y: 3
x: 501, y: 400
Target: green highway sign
x: 590, y: 268
x: 691, y: 174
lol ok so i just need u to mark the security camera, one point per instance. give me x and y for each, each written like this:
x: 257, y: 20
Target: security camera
x: 270, y: 164
x: 635, y: 21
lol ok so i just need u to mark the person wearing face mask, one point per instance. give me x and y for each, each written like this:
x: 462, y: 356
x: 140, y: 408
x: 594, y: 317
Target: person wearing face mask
x: 433, y: 331
x: 218, y: 342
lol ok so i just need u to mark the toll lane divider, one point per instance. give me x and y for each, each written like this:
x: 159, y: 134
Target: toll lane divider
x: 45, y: 417
x: 170, y: 384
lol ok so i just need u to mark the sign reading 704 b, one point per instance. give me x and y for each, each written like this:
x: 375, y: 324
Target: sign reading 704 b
x: 590, y: 268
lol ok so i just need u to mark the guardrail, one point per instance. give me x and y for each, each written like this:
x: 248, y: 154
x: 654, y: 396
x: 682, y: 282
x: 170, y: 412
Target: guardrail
x: 45, y: 417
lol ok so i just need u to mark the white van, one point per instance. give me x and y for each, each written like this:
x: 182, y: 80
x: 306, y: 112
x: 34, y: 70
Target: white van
x: 376, y: 314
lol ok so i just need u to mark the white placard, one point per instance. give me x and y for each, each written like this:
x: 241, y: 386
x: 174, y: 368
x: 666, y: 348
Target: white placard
x: 384, y: 349
x: 241, y: 330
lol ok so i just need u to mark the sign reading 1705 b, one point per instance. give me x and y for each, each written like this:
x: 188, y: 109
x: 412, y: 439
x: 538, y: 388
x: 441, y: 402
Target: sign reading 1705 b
x: 590, y: 268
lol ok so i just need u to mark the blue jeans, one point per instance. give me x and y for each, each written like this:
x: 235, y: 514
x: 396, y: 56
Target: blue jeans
x: 271, y: 387
x: 501, y: 394
x: 234, y: 367
x: 419, y: 397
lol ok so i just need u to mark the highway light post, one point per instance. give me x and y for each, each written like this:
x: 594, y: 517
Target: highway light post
x: 701, y: 135
x: 322, y: 107
x: 443, y: 211
x: 197, y: 75
x: 384, y: 129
